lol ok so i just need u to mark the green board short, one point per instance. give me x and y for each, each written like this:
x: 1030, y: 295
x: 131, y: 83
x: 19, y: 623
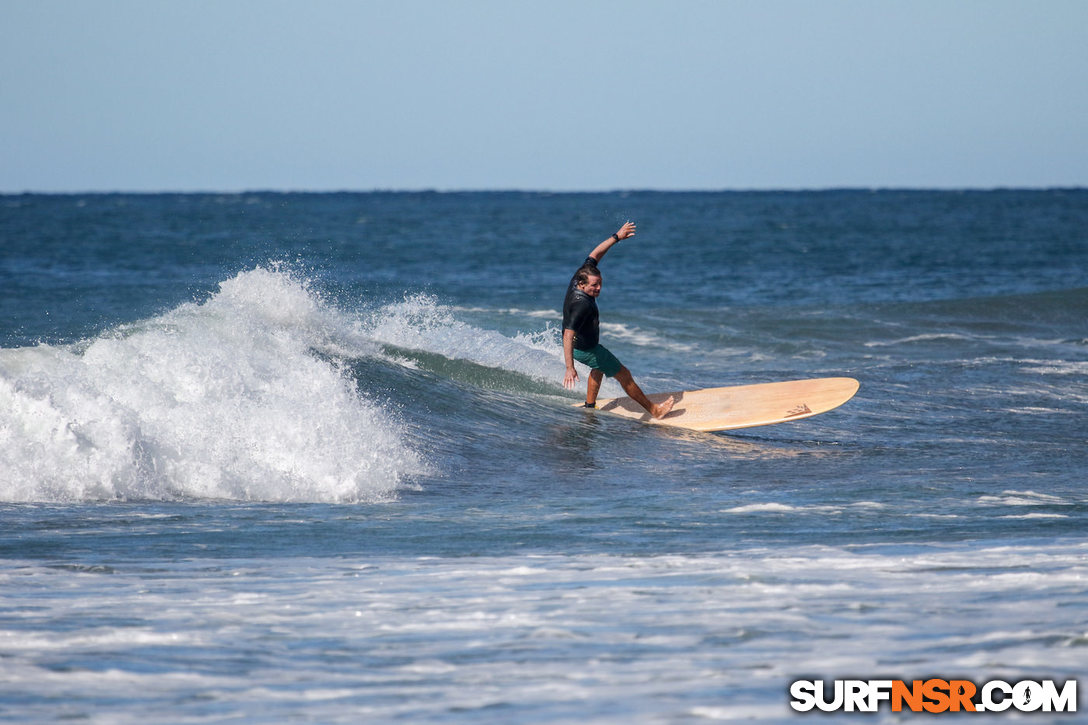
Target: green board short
x: 599, y: 358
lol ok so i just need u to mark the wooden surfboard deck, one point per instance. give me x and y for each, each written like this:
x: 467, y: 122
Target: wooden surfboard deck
x: 741, y: 406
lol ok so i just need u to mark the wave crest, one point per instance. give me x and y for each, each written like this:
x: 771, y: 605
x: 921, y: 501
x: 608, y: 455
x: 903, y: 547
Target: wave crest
x: 221, y: 400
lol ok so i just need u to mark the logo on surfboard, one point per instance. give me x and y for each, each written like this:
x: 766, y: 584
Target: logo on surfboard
x: 799, y: 410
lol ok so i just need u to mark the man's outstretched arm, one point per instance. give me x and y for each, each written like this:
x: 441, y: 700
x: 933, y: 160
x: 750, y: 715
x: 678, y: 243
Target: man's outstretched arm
x: 627, y: 230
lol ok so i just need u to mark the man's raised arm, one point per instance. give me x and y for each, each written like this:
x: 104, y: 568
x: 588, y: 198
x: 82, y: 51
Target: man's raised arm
x: 627, y: 230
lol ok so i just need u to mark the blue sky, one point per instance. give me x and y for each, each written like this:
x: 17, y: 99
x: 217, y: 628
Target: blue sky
x: 229, y: 95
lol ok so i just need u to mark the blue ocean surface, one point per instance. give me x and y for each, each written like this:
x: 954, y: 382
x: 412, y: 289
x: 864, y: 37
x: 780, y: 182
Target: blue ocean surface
x: 285, y: 457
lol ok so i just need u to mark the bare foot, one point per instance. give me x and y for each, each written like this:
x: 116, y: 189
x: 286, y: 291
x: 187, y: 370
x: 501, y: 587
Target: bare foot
x: 662, y: 409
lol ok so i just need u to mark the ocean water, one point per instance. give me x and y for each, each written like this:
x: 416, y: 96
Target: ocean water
x: 273, y: 458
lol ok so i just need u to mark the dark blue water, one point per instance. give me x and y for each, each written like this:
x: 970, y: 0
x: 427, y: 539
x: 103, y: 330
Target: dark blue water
x: 307, y: 456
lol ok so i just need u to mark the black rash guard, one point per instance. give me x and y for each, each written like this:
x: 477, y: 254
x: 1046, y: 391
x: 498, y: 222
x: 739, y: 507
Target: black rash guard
x: 580, y: 314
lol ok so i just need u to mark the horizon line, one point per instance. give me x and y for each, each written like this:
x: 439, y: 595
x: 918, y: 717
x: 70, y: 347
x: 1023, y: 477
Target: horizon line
x: 543, y: 191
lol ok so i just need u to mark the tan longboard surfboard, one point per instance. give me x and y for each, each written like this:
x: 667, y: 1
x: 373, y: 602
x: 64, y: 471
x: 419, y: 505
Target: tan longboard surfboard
x: 741, y: 406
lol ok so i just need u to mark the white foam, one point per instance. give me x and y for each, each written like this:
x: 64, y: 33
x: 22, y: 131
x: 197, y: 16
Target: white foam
x: 513, y: 312
x: 636, y: 336
x: 652, y: 638
x: 222, y: 400
x: 421, y: 323
x: 757, y: 507
x: 1023, y: 498
x: 773, y: 507
x: 1058, y: 367
x: 930, y: 337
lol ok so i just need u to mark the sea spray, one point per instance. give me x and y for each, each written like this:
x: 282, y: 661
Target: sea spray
x: 220, y: 400
x: 421, y: 323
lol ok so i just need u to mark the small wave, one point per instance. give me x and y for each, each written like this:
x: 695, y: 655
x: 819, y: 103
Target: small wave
x: 219, y: 400
x: 761, y: 507
x: 543, y: 314
x: 421, y: 323
x: 1023, y: 498
x: 1058, y: 367
x: 513, y: 312
x: 772, y: 507
x: 930, y: 337
x: 636, y: 336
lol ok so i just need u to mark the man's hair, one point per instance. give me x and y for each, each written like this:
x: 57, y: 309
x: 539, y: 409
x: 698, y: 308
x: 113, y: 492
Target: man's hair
x: 584, y: 273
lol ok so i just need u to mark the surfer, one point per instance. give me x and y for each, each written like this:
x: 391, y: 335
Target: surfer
x: 581, y: 333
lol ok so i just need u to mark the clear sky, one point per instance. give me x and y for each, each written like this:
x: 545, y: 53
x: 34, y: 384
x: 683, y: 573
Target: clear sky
x: 230, y: 95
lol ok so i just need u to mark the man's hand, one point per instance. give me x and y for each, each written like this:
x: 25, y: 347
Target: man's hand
x: 626, y: 231
x: 570, y: 378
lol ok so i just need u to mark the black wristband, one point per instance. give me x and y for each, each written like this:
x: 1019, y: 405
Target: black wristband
x: 616, y: 237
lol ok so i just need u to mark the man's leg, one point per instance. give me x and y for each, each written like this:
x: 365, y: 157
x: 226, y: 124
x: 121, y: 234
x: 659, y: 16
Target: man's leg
x: 623, y: 377
x: 592, y: 386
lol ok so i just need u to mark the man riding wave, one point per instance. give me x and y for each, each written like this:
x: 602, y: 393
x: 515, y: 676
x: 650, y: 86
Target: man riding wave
x: 581, y: 333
